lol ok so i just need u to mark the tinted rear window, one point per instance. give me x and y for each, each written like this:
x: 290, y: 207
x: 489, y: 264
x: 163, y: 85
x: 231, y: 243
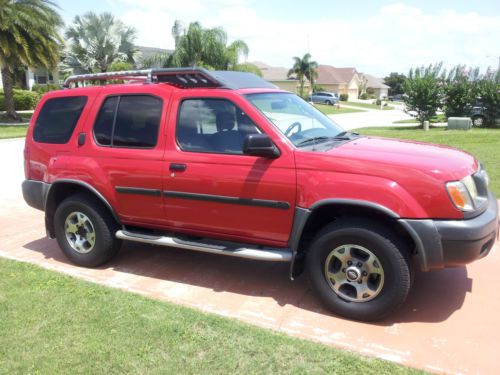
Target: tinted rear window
x: 128, y: 121
x: 58, y: 118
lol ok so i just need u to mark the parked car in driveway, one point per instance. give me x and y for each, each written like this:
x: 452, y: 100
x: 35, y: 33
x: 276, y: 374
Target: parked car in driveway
x: 479, y: 117
x: 226, y: 163
x: 329, y: 98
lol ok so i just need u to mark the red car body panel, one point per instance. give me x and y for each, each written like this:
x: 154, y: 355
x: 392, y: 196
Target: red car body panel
x: 405, y: 177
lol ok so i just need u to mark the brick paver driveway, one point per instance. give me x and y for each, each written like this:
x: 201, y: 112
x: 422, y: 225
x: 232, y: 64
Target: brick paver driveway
x: 450, y: 323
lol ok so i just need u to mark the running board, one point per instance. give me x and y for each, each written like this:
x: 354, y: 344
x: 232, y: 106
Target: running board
x: 272, y: 254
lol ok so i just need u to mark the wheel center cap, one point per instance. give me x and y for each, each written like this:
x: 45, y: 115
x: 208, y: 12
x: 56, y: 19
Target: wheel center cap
x: 353, y: 274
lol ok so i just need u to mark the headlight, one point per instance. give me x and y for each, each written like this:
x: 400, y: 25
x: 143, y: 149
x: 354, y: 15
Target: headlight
x: 464, y: 193
x: 459, y: 195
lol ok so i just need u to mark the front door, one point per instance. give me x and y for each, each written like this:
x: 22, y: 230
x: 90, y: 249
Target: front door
x: 212, y: 188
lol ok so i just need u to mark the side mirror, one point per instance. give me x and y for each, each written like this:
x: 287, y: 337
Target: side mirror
x: 260, y: 145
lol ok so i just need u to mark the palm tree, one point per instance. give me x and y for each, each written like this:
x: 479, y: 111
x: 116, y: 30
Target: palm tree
x: 197, y: 46
x: 28, y: 36
x: 97, y: 41
x: 304, y: 68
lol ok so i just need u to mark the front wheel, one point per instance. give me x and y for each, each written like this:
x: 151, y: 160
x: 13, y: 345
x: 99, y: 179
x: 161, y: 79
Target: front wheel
x: 359, y: 269
x: 85, y: 231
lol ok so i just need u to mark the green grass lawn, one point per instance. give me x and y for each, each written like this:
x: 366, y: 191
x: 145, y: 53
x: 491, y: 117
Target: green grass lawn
x: 367, y: 105
x: 433, y: 120
x: 53, y: 324
x: 333, y: 110
x: 15, y: 131
x: 482, y: 143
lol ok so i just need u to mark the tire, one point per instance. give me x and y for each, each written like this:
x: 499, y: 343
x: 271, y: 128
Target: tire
x: 85, y: 231
x: 478, y: 121
x: 380, y: 268
x: 328, y: 102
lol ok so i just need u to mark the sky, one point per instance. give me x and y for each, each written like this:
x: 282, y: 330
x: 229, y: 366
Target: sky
x: 375, y: 37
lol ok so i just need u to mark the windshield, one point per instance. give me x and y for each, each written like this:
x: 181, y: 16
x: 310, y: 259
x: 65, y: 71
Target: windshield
x: 298, y: 120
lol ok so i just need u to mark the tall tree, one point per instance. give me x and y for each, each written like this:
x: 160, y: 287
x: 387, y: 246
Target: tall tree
x: 461, y: 91
x: 395, y: 82
x: 424, y: 92
x: 198, y: 46
x: 304, y: 68
x: 97, y: 41
x: 28, y: 36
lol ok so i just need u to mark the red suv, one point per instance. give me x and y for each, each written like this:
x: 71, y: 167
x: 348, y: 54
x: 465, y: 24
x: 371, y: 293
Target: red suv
x: 226, y: 163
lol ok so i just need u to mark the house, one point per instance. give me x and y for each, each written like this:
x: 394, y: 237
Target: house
x: 279, y: 77
x: 35, y: 76
x: 339, y: 80
x: 375, y: 86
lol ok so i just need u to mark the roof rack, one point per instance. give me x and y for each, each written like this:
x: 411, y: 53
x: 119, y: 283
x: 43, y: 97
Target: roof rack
x: 180, y: 77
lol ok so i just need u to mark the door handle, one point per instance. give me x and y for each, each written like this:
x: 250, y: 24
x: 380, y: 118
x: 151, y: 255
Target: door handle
x: 177, y: 167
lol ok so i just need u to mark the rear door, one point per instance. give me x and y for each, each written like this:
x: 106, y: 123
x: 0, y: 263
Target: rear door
x: 213, y: 189
x: 127, y: 148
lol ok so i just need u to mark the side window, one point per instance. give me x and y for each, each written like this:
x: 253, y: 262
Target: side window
x: 104, y: 123
x: 57, y: 119
x: 128, y: 121
x: 212, y: 125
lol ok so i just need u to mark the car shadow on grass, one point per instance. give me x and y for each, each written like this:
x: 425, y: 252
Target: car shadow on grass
x: 434, y: 298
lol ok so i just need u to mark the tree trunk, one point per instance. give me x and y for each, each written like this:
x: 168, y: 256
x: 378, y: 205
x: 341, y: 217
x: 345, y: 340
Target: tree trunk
x: 8, y: 90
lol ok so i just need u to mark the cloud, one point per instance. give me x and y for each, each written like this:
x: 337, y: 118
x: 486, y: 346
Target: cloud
x: 394, y: 38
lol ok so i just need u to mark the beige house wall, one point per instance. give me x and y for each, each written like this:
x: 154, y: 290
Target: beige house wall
x: 288, y: 85
x: 331, y: 88
x: 292, y: 86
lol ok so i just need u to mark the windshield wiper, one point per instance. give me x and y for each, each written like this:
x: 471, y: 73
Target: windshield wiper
x: 313, y: 140
x: 345, y: 135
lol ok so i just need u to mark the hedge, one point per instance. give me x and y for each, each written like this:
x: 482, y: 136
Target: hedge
x: 24, y: 100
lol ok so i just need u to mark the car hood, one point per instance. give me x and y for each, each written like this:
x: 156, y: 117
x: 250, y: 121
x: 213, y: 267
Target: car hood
x: 407, y: 177
x: 395, y: 159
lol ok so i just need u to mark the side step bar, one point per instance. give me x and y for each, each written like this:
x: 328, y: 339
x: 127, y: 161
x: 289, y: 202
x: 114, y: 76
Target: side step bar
x: 212, y: 246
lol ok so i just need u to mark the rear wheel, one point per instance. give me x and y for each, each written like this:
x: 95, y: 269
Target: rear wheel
x: 359, y: 269
x: 85, y: 231
x: 478, y: 121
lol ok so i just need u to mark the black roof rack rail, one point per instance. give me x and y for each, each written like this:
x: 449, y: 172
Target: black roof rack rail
x: 180, y: 77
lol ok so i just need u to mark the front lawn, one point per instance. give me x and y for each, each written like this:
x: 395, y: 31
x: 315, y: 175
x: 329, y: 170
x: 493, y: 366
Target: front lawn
x: 438, y: 118
x: 333, y: 110
x: 482, y: 143
x: 53, y: 324
x: 14, y: 131
x: 367, y: 105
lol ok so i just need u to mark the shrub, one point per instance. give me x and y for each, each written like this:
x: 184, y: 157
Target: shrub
x: 344, y: 97
x: 460, y: 91
x: 24, y: 100
x: 378, y: 102
x: 489, y: 93
x: 42, y: 89
x: 364, y: 96
x: 423, y: 92
x: 372, y: 97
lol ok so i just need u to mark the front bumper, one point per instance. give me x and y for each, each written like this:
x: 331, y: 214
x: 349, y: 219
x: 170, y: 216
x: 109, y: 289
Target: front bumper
x: 450, y: 243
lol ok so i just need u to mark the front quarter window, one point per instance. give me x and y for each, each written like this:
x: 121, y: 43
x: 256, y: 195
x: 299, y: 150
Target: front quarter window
x: 299, y: 121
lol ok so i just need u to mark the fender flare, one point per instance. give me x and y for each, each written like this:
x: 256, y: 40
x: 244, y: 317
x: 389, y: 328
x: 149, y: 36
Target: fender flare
x: 85, y: 185
x: 302, y: 216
